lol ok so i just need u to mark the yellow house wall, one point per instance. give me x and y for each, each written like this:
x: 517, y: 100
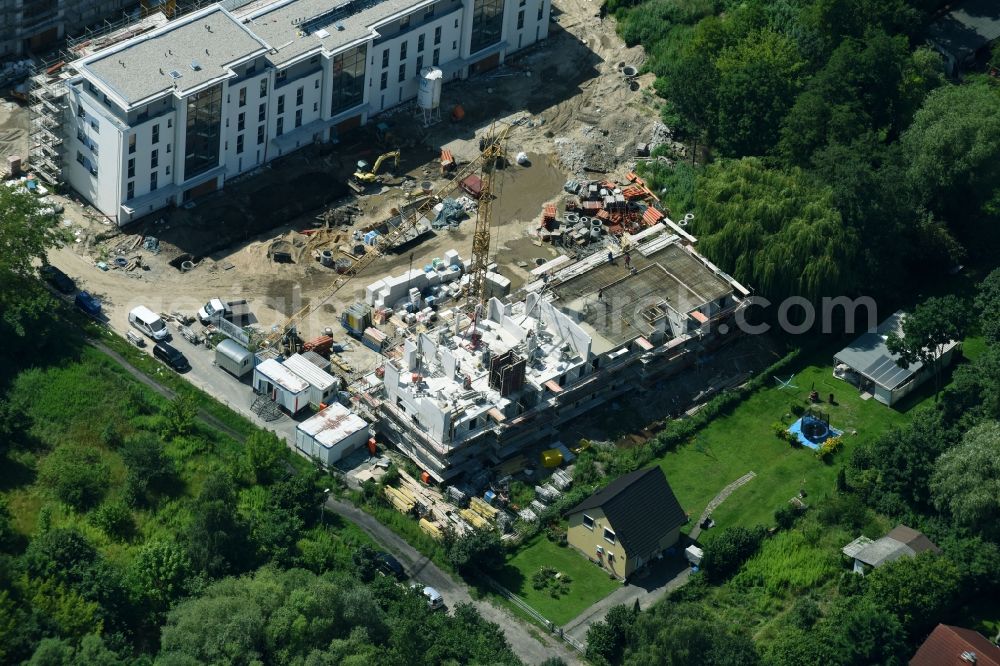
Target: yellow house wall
x: 587, y: 540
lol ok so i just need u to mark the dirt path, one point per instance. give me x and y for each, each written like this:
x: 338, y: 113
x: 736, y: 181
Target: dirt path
x: 532, y: 649
x: 717, y: 500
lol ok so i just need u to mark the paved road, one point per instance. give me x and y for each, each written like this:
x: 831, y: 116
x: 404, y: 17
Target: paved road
x: 667, y: 575
x: 531, y: 649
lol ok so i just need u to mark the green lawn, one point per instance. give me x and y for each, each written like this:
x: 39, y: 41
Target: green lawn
x: 744, y: 441
x: 589, y: 583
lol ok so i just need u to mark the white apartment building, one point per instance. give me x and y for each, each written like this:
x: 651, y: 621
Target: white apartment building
x: 167, y: 116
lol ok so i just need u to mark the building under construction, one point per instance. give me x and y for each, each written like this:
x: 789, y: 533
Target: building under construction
x: 483, y: 389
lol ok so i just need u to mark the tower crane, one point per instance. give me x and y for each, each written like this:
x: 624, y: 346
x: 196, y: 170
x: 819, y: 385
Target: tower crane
x: 492, y: 157
x: 383, y: 243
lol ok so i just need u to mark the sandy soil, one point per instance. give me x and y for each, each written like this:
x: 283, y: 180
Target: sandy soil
x: 14, y: 126
x: 570, y: 106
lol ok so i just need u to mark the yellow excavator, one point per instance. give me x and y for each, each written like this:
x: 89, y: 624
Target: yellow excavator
x: 364, y: 177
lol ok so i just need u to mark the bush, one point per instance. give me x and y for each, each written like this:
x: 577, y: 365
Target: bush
x: 77, y: 475
x: 729, y: 550
x: 829, y: 447
x: 115, y: 520
x: 785, y: 516
x: 797, y: 409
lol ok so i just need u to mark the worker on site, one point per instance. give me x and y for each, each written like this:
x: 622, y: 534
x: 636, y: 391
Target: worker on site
x: 611, y: 257
x: 628, y: 260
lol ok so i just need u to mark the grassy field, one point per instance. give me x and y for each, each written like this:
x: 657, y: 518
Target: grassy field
x: 588, y: 583
x: 744, y: 441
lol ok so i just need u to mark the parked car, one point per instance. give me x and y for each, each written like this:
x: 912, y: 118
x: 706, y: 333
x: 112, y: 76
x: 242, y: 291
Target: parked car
x: 434, y: 598
x: 58, y: 279
x: 88, y: 303
x: 390, y: 566
x: 171, y: 356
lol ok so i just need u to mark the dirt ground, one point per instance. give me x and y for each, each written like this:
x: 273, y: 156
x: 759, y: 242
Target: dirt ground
x: 572, y: 111
x: 14, y: 126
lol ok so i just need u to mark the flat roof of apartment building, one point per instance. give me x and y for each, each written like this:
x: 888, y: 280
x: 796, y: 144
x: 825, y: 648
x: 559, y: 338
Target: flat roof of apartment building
x: 194, y: 51
x: 298, y: 27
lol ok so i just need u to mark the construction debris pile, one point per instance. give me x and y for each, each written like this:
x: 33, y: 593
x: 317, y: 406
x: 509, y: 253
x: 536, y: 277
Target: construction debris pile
x: 599, y: 207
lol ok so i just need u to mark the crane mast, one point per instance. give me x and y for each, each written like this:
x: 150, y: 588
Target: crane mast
x: 492, y: 156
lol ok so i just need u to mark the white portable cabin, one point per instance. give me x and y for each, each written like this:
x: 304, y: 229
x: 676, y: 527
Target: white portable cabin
x: 322, y: 385
x: 283, y: 386
x: 332, y: 434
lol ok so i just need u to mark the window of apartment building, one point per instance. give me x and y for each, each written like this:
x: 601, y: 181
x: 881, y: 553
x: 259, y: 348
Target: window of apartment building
x: 170, y: 123
x: 384, y: 83
x: 420, y: 43
x: 79, y: 157
x: 81, y: 112
x: 299, y: 96
x: 241, y: 122
x: 588, y: 522
x: 239, y: 144
x: 168, y: 169
x: 152, y: 182
x: 316, y: 84
x: 263, y: 88
x: 609, y: 536
x: 80, y: 136
x: 260, y: 135
x: 437, y: 35
x: 131, y: 143
x: 168, y: 148
x: 348, y: 83
x: 261, y: 112
x: 454, y: 46
x: 404, y: 23
x: 522, y: 3
x: 94, y: 125
x: 402, y: 72
x: 281, y: 103
x: 203, y: 130
x: 385, y: 58
x: 541, y: 10
x: 281, y: 127
x: 131, y: 168
x: 420, y: 64
x: 487, y: 23
x: 130, y: 190
x: 429, y: 12
x: 402, y: 50
x: 456, y: 24
x: 154, y: 159
x: 520, y: 19
x: 156, y: 134
x: 298, y: 118
x: 436, y: 57
x: 315, y: 107
x: 243, y: 96
x: 280, y: 77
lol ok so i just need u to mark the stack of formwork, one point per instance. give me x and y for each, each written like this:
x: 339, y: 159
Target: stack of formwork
x: 390, y: 291
x: 401, y: 498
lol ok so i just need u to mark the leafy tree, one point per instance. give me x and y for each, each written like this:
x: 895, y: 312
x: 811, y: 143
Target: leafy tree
x: 114, y: 519
x: 179, y: 416
x: 728, y: 550
x: 953, y: 156
x: 92, y: 651
x: 479, y: 549
x: 606, y: 640
x: 215, y: 537
x: 966, y: 481
x: 758, y: 81
x: 27, y: 232
x: 673, y: 634
x: 759, y: 224
x: 931, y: 326
x: 159, y: 575
x: 150, y: 470
x: 265, y: 455
x: 918, y: 590
x: 364, y: 560
x: 988, y: 306
x: 77, y: 475
x: 8, y: 535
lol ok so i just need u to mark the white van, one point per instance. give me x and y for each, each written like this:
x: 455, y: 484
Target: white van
x: 148, y: 322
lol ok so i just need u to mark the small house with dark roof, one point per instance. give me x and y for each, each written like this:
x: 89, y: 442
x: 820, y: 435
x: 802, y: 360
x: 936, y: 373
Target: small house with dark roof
x: 902, y: 541
x: 629, y: 523
x: 956, y: 646
x: 965, y: 34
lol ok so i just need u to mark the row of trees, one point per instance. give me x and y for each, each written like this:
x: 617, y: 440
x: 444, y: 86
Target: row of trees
x: 846, y: 164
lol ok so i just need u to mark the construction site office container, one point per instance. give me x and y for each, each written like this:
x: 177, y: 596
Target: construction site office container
x: 286, y: 388
x: 233, y: 357
x: 323, y: 386
x: 332, y: 434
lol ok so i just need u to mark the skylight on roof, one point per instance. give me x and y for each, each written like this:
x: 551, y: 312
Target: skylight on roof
x: 174, y: 74
x: 322, y: 33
